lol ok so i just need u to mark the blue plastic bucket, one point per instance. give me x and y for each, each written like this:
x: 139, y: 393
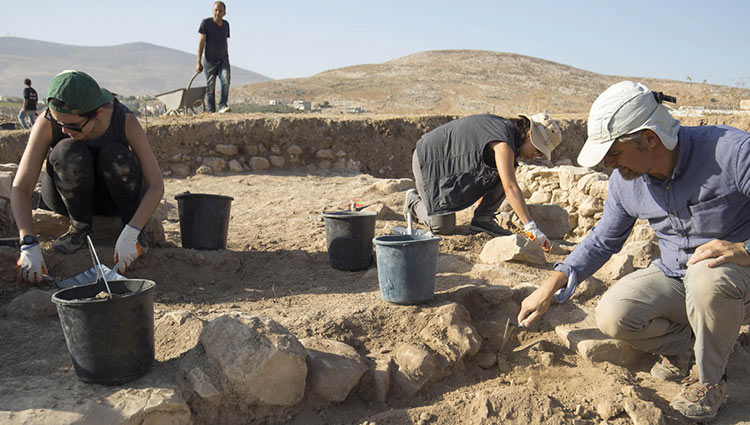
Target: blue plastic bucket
x: 406, y: 267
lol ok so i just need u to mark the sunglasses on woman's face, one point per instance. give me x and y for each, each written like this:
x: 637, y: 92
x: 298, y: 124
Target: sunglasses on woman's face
x: 70, y: 127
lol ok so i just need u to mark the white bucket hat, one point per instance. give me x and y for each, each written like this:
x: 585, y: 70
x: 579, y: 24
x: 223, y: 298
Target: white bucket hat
x: 545, y: 133
x: 625, y: 108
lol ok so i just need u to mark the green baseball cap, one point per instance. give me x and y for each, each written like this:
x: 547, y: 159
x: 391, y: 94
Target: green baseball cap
x: 78, y: 90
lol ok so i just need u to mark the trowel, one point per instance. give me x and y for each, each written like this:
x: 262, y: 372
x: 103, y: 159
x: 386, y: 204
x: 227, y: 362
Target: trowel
x: 507, y: 333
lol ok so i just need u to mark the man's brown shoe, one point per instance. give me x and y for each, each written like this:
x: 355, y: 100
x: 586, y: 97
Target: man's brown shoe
x: 700, y: 402
x: 672, y: 368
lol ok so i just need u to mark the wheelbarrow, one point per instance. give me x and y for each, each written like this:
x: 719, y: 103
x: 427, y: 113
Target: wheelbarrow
x: 181, y: 101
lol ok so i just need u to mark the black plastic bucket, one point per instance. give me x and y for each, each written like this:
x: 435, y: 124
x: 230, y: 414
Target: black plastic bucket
x: 204, y: 220
x: 111, y: 340
x: 349, y: 238
x: 406, y: 267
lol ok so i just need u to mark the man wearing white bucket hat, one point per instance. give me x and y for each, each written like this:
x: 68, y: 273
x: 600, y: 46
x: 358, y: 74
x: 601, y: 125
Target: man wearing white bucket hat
x: 474, y: 158
x: 693, y: 186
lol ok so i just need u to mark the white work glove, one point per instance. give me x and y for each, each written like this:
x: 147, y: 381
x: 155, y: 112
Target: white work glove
x: 534, y: 234
x: 30, y: 266
x: 127, y: 248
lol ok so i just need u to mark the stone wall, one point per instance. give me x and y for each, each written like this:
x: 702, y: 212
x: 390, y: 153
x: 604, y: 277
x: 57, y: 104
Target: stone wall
x: 378, y: 146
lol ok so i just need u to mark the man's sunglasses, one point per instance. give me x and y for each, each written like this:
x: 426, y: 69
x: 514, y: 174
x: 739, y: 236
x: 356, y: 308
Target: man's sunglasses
x: 70, y: 127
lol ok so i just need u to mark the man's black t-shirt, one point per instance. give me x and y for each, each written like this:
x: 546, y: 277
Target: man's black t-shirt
x: 31, y: 97
x: 216, y: 39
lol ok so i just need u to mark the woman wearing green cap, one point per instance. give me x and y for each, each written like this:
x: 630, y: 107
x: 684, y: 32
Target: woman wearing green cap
x: 98, y: 161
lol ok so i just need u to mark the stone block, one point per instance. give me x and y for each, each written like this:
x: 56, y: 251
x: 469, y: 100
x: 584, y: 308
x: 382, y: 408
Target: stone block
x: 277, y: 161
x: 258, y: 163
x: 618, y: 266
x: 551, y: 219
x: 416, y: 367
x: 334, y: 368
x: 6, y: 183
x: 261, y: 360
x: 325, y: 154
x: 180, y: 170
x: 217, y: 164
x: 642, y: 251
x: 375, y: 384
x: 235, y: 166
x: 593, y: 345
x: 202, y: 386
x: 227, y: 149
x: 451, y: 333
x: 512, y: 248
x: 294, y: 150
x: 388, y: 186
x: 31, y: 305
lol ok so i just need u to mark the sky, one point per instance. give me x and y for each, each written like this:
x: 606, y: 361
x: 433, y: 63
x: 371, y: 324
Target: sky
x: 686, y: 40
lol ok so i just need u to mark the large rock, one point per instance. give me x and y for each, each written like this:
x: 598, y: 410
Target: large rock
x: 590, y: 206
x: 495, y: 294
x: 640, y: 410
x: 512, y: 248
x: 643, y: 232
x: 551, y: 219
x: 261, y: 360
x: 227, y: 149
x: 334, y: 368
x: 235, y: 166
x: 492, y: 333
x: 388, y: 186
x: 383, y: 211
x: 217, y: 165
x: 593, y: 345
x: 417, y: 367
x: 201, y: 384
x: 569, y: 176
x: 6, y: 182
x: 642, y: 251
x: 451, y: 333
x: 618, y: 266
x: 376, y: 382
x: 32, y: 304
x: 77, y: 403
x: 598, y: 189
x: 585, y: 182
x: 258, y: 163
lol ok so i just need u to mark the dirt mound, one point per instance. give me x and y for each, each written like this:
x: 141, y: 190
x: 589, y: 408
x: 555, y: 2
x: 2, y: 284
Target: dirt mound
x: 470, y: 81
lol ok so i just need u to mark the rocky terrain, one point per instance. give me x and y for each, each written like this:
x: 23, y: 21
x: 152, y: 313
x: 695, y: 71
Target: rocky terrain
x: 471, y: 81
x: 267, y: 332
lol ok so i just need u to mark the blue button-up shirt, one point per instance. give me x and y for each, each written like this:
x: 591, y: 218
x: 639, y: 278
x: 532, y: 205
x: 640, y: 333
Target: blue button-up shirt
x: 707, y: 197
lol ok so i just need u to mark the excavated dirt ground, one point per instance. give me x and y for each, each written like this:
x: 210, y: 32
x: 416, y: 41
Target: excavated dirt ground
x: 276, y: 265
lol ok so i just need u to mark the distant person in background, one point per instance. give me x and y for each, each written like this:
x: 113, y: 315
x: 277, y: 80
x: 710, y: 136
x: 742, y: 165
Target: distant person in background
x: 474, y: 158
x: 214, y: 33
x: 29, y: 105
x: 97, y: 161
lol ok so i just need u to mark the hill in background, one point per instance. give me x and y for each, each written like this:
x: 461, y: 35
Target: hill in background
x: 470, y: 81
x: 127, y: 69
x: 433, y: 82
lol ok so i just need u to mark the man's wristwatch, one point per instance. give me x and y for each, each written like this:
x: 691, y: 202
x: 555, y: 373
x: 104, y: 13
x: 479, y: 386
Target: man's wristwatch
x: 28, y: 240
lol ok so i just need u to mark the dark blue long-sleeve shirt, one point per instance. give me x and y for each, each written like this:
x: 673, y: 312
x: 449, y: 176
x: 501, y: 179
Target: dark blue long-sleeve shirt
x: 707, y: 197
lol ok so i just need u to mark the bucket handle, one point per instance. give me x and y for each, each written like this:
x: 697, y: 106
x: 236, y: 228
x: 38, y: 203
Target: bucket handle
x: 98, y: 265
